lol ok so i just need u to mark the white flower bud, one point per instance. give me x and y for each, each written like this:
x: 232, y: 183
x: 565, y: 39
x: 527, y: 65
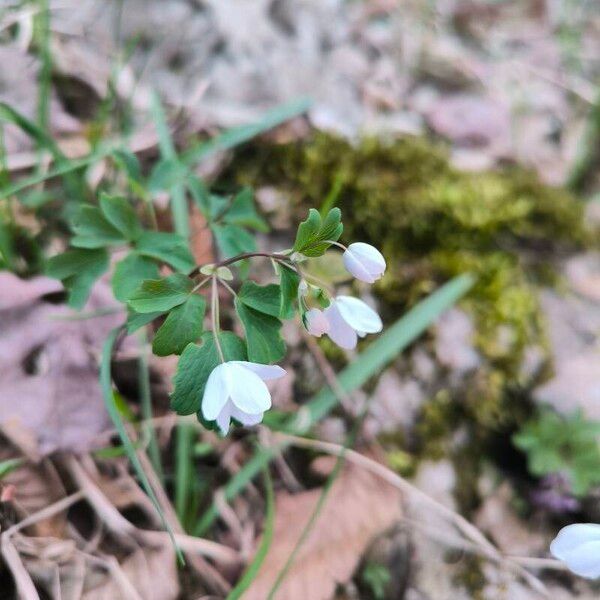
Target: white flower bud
x: 364, y: 262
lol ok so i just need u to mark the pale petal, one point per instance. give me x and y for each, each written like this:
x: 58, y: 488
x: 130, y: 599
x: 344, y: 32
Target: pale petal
x: 356, y: 268
x: 359, y: 315
x: 265, y: 372
x: 246, y: 418
x: 364, y: 261
x: 572, y: 536
x: 585, y: 560
x: 339, y: 331
x: 247, y: 390
x: 316, y: 322
x: 215, y: 393
x: 224, y: 418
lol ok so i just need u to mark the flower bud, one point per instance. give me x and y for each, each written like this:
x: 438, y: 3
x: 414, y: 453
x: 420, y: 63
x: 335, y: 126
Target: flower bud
x: 364, y: 262
x: 316, y: 322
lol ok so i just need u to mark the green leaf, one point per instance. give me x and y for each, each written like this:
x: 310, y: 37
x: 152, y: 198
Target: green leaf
x: 243, y: 212
x: 182, y: 327
x: 233, y: 240
x: 315, y: 234
x: 308, y: 230
x: 137, y: 320
x: 196, y: 364
x: 167, y: 247
x: 129, y: 274
x: 167, y: 172
x: 289, y: 292
x: 93, y: 230
x: 129, y: 163
x: 263, y: 338
x: 238, y: 135
x: 156, y: 295
x: 263, y: 298
x: 120, y: 214
x: 79, y: 269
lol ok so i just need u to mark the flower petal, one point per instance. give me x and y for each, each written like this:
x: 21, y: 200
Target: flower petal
x: 355, y: 267
x: 265, y: 372
x: 585, y: 560
x: 247, y: 390
x: 573, y: 536
x: 215, y: 393
x: 316, y: 322
x: 246, y: 418
x: 339, y: 331
x: 359, y: 315
x: 224, y: 418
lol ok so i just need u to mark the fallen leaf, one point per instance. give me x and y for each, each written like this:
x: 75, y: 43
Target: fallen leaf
x: 151, y: 571
x: 49, y: 367
x: 358, y: 507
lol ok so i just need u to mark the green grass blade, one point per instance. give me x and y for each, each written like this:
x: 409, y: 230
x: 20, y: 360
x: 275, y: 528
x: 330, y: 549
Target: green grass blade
x: 366, y: 365
x: 261, y: 553
x: 42, y: 35
x: 146, y: 405
x: 184, y: 465
x: 238, y: 135
x: 9, y: 465
x: 113, y: 411
x: 62, y: 169
x: 41, y: 137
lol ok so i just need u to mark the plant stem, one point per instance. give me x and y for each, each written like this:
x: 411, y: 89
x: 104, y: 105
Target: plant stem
x: 215, y: 317
x: 234, y: 259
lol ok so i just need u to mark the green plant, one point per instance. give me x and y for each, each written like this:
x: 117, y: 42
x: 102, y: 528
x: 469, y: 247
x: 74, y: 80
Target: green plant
x: 567, y: 445
x: 375, y: 578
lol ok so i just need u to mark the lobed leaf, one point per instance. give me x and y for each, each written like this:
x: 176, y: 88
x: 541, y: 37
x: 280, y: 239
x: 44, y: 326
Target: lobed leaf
x: 78, y: 269
x: 93, y: 230
x: 129, y: 274
x: 120, y: 214
x: 170, y: 248
x: 243, y: 212
x: 263, y: 338
x: 155, y: 295
x: 196, y: 364
x: 290, y: 280
x: 263, y: 298
x: 182, y: 327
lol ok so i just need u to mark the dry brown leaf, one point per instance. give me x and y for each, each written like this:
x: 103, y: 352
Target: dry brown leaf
x: 49, y: 367
x: 151, y: 571
x: 358, y: 507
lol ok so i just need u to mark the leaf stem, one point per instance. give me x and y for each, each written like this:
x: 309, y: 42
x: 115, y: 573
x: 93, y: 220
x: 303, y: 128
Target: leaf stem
x: 234, y: 259
x: 215, y: 317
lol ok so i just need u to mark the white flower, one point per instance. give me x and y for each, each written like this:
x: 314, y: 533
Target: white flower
x: 364, y: 262
x: 578, y: 546
x: 316, y: 322
x: 236, y: 389
x: 343, y: 321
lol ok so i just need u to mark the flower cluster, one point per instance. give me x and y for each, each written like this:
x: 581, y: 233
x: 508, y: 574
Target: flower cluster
x: 236, y: 390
